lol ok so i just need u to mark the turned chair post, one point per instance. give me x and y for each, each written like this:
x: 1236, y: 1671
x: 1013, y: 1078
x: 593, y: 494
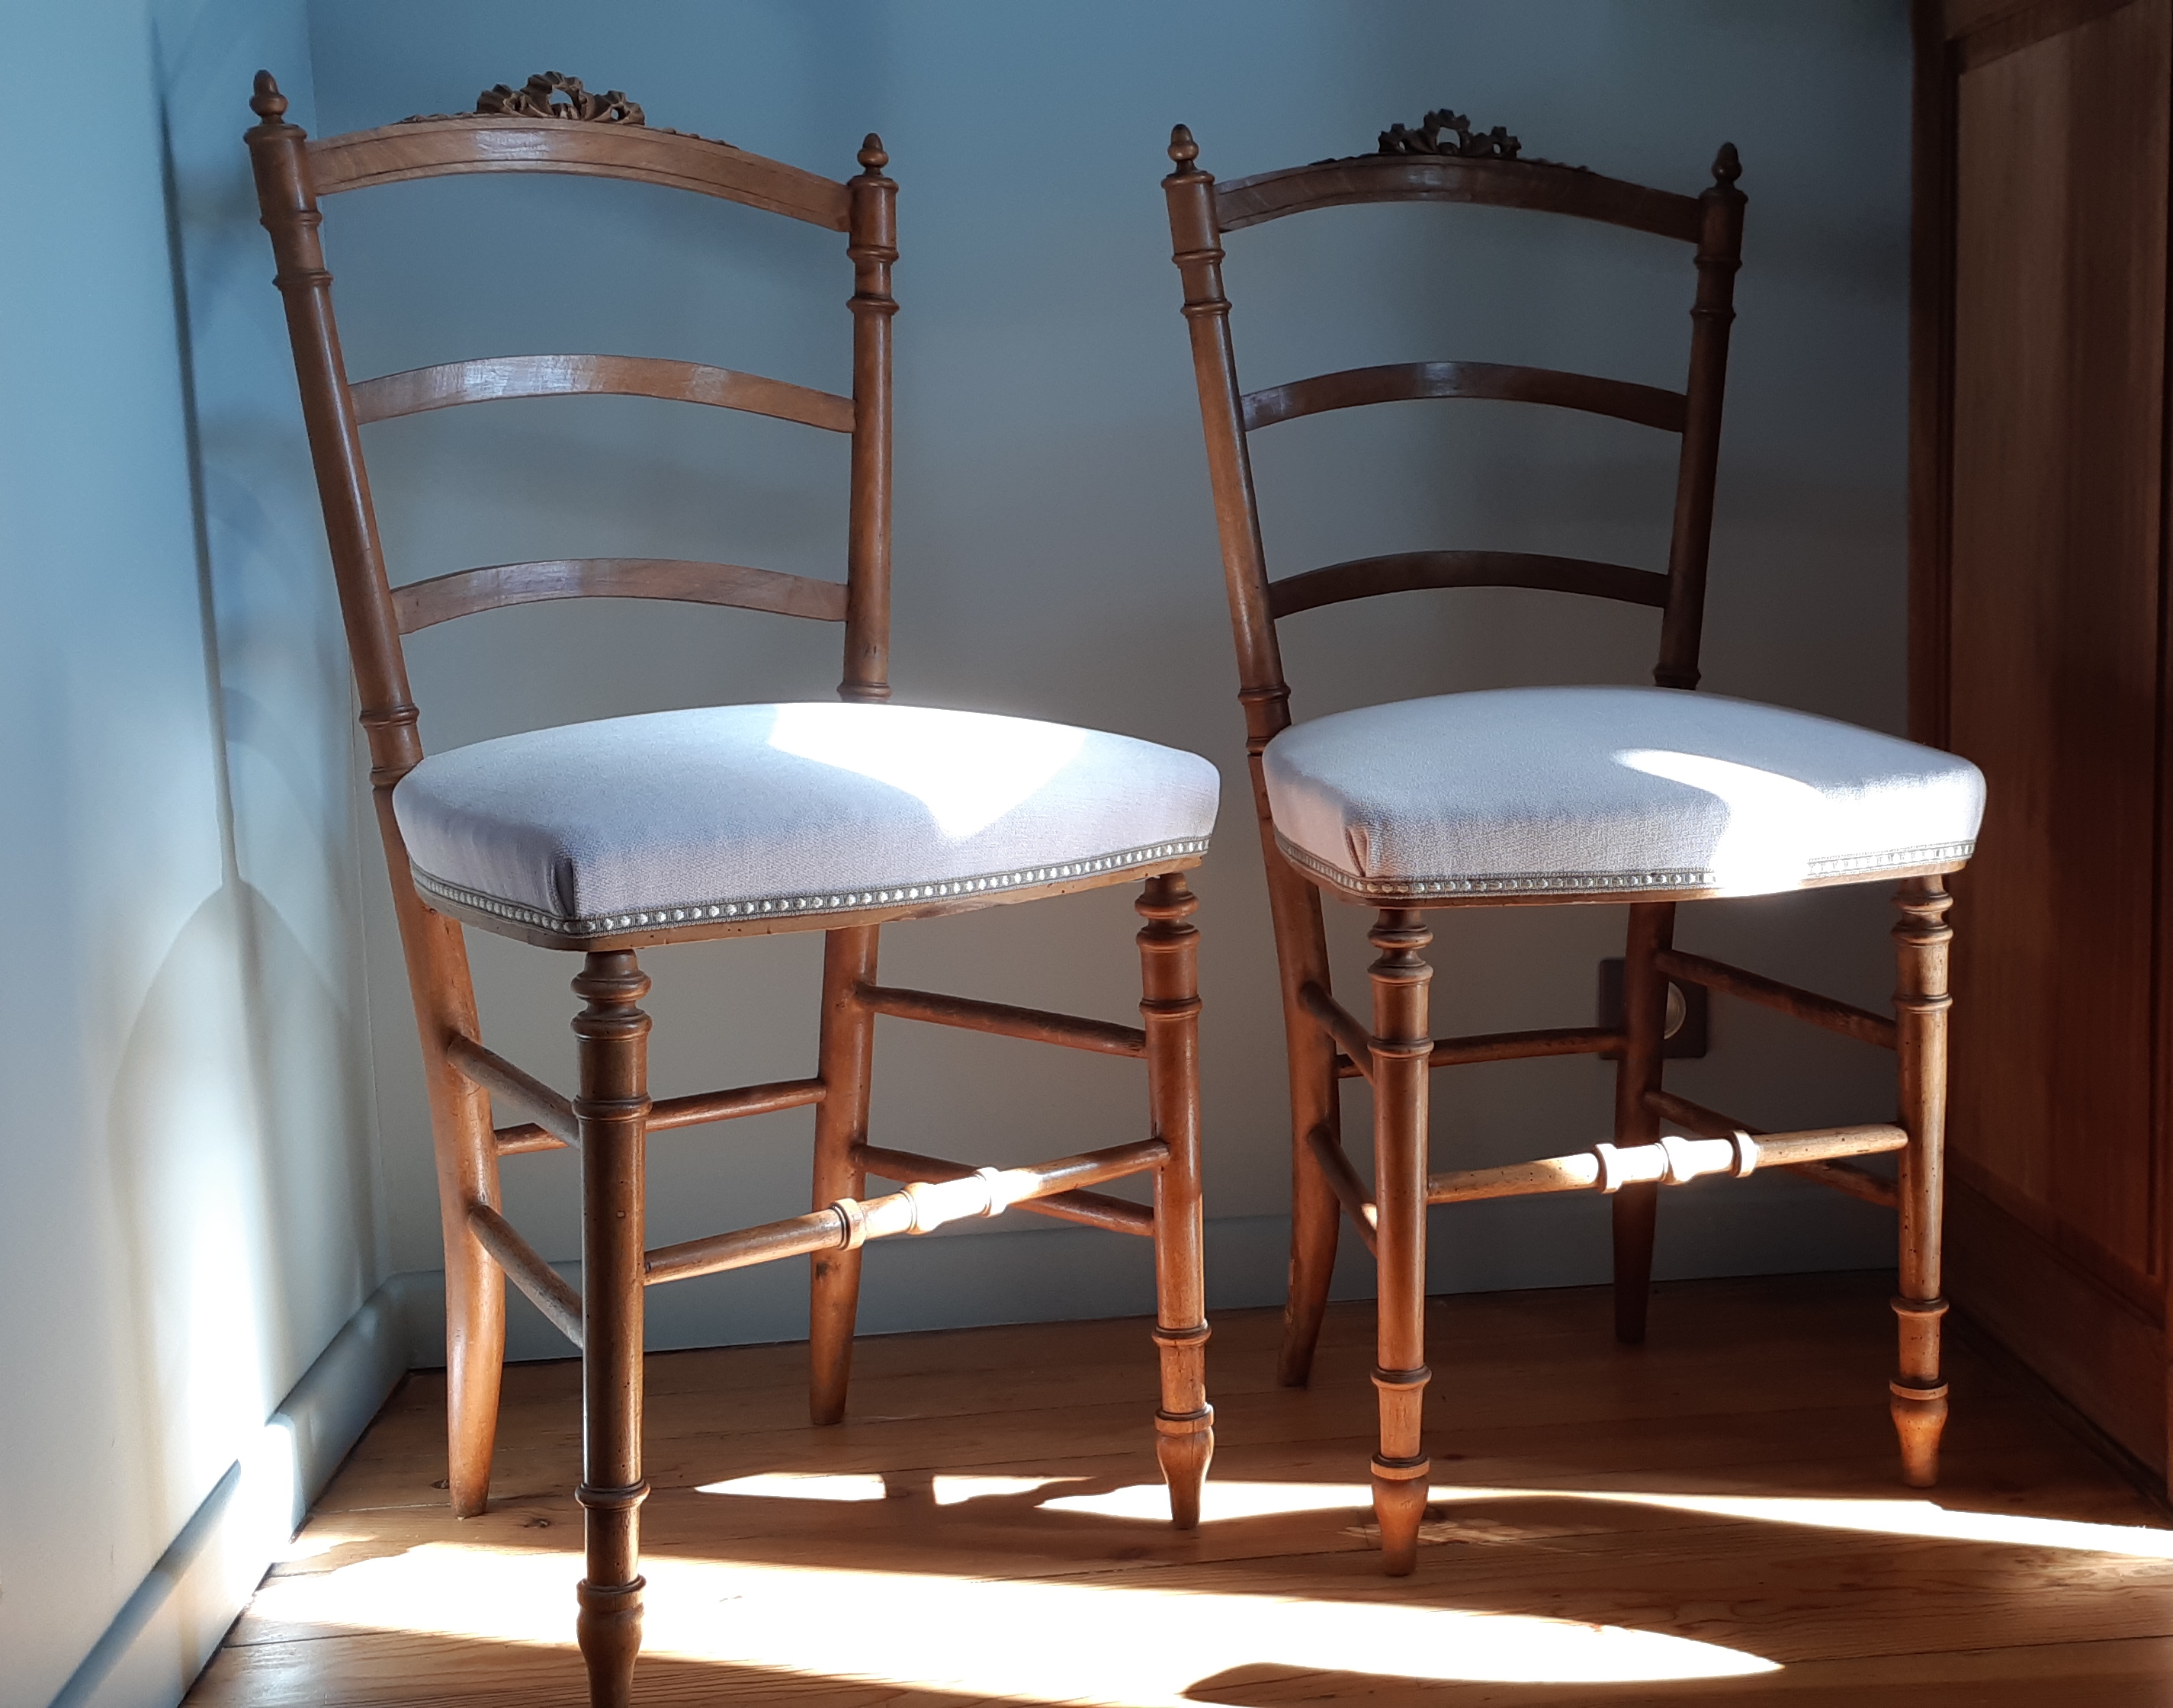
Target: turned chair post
x: 845, y: 1063
x: 1922, y: 939
x: 872, y: 245
x: 1636, y: 1207
x: 613, y: 1112
x: 1712, y: 315
x: 1301, y: 940
x: 1170, y: 1003
x: 1400, y: 1046
x: 437, y: 964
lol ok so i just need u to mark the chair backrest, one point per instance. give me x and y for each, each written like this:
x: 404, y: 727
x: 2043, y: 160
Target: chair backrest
x: 554, y: 124
x: 1443, y: 160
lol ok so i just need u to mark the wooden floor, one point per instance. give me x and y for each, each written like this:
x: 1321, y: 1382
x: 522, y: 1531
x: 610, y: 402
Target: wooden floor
x: 1709, y: 1519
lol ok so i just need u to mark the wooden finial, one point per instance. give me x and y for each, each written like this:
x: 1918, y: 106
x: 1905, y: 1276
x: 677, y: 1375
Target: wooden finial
x: 267, y: 103
x: 872, y: 157
x: 1726, y: 165
x: 1182, y: 148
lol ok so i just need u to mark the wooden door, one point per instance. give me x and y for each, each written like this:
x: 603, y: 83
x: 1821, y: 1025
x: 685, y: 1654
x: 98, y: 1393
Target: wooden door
x: 2038, y: 611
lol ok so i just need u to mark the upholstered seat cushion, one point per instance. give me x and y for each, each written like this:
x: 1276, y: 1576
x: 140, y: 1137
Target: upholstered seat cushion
x: 1629, y: 790
x: 730, y: 812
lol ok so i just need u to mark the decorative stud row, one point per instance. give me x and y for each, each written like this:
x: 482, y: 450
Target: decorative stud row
x: 1539, y: 883
x: 822, y: 901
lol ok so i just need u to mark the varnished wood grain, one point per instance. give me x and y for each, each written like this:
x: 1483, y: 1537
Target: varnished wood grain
x: 647, y: 154
x: 2039, y: 620
x: 491, y: 379
x: 1529, y: 184
x: 1531, y: 1397
x: 1404, y: 381
x: 422, y: 604
x: 1407, y: 571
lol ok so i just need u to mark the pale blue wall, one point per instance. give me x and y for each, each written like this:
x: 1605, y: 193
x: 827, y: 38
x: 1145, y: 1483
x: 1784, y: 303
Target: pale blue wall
x: 188, y: 1195
x: 1055, y: 548
x: 192, y: 1199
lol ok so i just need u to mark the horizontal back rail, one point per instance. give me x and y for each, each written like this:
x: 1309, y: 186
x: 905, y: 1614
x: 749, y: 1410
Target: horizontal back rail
x: 437, y: 148
x: 1538, y: 186
x: 1397, y: 382
x: 1405, y: 572
x: 421, y: 604
x: 490, y: 378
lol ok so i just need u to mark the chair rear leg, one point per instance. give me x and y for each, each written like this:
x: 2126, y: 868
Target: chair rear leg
x: 1401, y: 1043
x: 1644, y: 1023
x: 1316, y: 1217
x: 612, y: 1110
x: 466, y: 1154
x: 1169, y: 958
x: 1919, y: 1401
x: 846, y: 1060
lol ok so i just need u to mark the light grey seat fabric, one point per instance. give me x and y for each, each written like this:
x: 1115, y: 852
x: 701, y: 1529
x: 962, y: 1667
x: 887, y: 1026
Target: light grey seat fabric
x: 1628, y: 790
x: 731, y: 812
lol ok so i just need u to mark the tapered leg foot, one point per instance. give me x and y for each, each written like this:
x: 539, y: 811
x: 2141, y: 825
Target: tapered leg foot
x: 475, y: 1360
x: 1920, y: 1418
x: 1314, y: 1227
x: 1636, y: 1216
x: 1919, y: 1402
x: 1399, y: 1499
x: 609, y: 1631
x: 1185, y: 1446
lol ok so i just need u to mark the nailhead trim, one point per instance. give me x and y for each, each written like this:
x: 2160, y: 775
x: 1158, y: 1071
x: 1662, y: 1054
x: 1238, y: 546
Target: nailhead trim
x: 1536, y: 883
x: 826, y: 902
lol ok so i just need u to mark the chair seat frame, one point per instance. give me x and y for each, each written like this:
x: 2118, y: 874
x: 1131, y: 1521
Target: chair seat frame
x: 553, y: 124
x: 1443, y: 160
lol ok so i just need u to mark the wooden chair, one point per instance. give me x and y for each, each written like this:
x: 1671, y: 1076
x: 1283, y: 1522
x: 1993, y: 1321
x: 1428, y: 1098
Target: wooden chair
x: 610, y: 837
x: 1547, y: 796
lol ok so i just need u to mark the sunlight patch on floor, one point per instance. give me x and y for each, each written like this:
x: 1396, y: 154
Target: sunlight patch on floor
x: 1225, y: 1500
x: 816, y: 1486
x: 1017, y: 1642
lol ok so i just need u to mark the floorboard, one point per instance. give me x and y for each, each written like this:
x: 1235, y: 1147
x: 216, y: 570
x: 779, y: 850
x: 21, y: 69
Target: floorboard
x: 1711, y: 1518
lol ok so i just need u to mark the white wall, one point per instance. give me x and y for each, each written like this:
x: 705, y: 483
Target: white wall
x: 1055, y: 551
x: 188, y: 1198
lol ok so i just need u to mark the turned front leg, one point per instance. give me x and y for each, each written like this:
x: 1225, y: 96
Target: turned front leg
x: 1169, y: 957
x: 1921, y: 1003
x: 612, y: 1110
x: 1401, y: 1044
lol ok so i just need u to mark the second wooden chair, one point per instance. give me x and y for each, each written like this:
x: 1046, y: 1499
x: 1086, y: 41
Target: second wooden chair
x: 1547, y: 796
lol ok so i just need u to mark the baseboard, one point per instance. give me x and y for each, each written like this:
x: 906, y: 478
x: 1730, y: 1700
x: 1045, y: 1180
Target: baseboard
x: 167, y: 1631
